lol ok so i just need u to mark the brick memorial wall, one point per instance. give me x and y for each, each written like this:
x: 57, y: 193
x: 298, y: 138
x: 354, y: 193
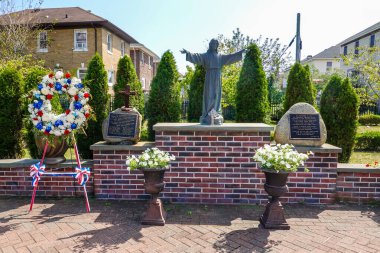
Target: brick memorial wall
x: 15, y: 179
x: 211, y: 167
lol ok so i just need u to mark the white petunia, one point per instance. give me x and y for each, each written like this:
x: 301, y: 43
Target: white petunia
x: 59, y: 75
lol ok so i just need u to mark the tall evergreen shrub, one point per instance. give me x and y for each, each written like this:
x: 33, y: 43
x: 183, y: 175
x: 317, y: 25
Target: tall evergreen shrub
x: 196, y: 94
x: 252, y: 89
x: 339, y: 110
x: 164, y: 98
x: 11, y: 83
x: 299, y: 87
x: 96, y: 80
x: 32, y: 78
x: 126, y: 74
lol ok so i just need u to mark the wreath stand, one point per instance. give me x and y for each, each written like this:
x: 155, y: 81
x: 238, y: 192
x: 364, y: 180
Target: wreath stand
x: 81, y: 174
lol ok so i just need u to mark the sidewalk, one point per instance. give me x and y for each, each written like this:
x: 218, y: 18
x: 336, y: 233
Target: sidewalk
x: 112, y: 226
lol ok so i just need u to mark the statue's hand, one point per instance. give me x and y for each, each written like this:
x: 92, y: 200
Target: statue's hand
x: 184, y: 51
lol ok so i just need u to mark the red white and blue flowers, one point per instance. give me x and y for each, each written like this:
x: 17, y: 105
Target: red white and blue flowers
x: 40, y: 109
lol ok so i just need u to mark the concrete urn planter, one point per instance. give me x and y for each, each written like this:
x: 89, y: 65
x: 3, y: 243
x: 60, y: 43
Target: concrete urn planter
x: 154, y: 184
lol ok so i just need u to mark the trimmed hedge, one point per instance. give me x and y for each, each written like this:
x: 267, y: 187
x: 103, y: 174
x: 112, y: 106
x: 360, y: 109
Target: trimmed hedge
x: 300, y: 88
x: 96, y: 80
x: 164, y: 99
x: 126, y: 74
x: 369, y: 120
x: 11, y: 83
x: 369, y: 141
x: 196, y: 94
x: 252, y: 89
x: 339, y: 110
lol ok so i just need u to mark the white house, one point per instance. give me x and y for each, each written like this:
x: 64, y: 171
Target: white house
x: 368, y: 37
x: 325, y: 61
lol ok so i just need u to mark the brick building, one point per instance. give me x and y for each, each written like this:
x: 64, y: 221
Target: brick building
x: 145, y: 62
x: 71, y: 36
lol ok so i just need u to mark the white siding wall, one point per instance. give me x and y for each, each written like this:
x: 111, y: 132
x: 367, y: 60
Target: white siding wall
x: 321, y: 64
x: 351, y: 47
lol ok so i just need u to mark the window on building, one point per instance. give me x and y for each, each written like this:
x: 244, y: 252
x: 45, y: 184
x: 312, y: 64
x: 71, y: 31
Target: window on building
x: 143, y: 83
x: 81, y: 73
x: 42, y: 42
x: 80, y: 40
x: 142, y: 58
x: 111, y: 77
x: 122, y: 48
x: 149, y: 62
x: 328, y: 65
x: 357, y: 47
x: 109, y: 42
x: 345, y: 50
x: 372, y: 40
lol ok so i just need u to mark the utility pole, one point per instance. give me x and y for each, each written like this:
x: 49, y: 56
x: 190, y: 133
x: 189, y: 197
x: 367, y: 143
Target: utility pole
x: 298, y: 39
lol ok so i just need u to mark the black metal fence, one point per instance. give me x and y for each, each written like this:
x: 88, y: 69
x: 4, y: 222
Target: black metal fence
x: 369, y: 109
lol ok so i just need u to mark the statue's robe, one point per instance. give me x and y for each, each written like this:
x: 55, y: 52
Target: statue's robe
x: 212, y: 93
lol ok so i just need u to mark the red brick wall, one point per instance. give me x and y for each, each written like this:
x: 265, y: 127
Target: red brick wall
x: 16, y: 181
x: 358, y: 186
x: 112, y: 179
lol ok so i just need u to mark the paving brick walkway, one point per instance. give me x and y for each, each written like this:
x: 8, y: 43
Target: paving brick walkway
x: 62, y: 226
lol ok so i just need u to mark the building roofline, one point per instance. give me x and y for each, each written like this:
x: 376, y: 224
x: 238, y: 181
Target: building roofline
x: 156, y: 58
x: 369, y: 30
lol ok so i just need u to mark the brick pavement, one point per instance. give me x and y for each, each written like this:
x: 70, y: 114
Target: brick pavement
x: 112, y: 226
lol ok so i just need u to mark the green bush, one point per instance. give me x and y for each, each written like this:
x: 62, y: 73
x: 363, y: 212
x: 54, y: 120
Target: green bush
x: 196, y: 94
x: 369, y: 120
x: 96, y: 80
x: 11, y: 83
x: 299, y: 87
x: 32, y: 78
x: 164, y: 98
x: 339, y: 110
x: 252, y: 89
x: 126, y: 74
x: 369, y: 141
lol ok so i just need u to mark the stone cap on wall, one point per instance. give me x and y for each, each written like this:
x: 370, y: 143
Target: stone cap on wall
x: 325, y: 148
x: 102, y: 145
x: 357, y: 168
x: 26, y: 162
x: 249, y: 127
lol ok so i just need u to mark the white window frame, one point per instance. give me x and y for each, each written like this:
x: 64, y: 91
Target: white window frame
x: 142, y: 58
x: 85, y: 47
x: 143, y: 84
x: 122, y: 48
x: 79, y: 75
x: 109, y: 43
x: 109, y: 76
x: 39, y: 49
x: 149, y: 62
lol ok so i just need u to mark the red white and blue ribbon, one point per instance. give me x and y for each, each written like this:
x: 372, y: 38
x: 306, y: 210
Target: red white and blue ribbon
x: 36, y: 171
x: 83, y: 174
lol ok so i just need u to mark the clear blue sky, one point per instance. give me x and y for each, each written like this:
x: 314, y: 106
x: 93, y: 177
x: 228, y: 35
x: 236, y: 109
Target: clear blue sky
x: 175, y: 24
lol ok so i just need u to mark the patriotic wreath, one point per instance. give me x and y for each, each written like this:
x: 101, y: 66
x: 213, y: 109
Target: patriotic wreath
x: 73, y: 118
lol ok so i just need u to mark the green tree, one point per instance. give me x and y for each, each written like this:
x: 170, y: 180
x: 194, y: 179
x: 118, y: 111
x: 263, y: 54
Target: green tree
x: 32, y: 78
x: 164, y: 102
x: 185, y: 82
x: 96, y: 80
x: 339, y: 110
x: 196, y: 94
x: 11, y: 84
x: 365, y: 69
x: 126, y: 74
x: 274, y: 59
x: 299, y: 87
x: 252, y: 89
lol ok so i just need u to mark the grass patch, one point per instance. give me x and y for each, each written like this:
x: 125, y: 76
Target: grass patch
x: 363, y: 129
x: 364, y: 157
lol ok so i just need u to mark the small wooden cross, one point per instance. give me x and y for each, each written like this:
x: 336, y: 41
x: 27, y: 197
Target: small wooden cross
x: 127, y: 94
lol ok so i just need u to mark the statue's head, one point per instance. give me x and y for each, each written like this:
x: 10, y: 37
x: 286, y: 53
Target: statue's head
x: 213, y: 45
